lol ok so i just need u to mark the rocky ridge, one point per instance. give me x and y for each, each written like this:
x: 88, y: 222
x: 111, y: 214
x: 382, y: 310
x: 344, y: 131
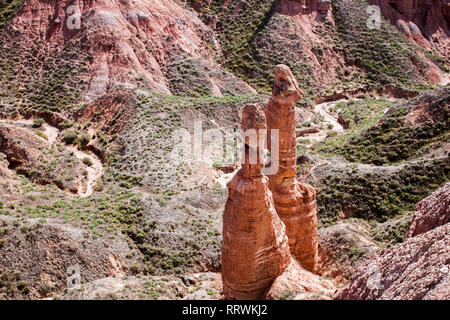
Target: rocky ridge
x: 415, y: 269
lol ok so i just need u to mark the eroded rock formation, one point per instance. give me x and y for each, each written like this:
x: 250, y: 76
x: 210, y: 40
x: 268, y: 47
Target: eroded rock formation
x: 42, y: 257
x: 20, y: 147
x: 255, y: 246
x: 425, y: 22
x: 295, y: 203
x: 300, y: 284
x: 127, y: 43
x: 431, y: 212
x: 415, y: 269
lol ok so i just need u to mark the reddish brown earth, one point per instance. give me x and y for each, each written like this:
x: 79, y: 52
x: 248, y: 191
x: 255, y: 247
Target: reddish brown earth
x: 305, y: 19
x: 128, y: 44
x: 112, y: 112
x: 415, y: 269
x: 255, y: 246
x: 4, y: 171
x: 431, y: 212
x: 20, y: 147
x: 424, y: 22
x: 36, y: 158
x: 343, y: 247
x: 295, y: 203
x: 301, y: 284
x: 430, y: 109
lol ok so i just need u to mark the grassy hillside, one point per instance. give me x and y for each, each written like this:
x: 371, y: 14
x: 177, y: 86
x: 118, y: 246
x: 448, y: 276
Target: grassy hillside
x: 255, y: 37
x: 8, y: 8
x: 393, y: 138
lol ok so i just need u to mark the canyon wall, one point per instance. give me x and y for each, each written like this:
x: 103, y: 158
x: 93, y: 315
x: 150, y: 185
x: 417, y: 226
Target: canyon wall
x: 425, y: 22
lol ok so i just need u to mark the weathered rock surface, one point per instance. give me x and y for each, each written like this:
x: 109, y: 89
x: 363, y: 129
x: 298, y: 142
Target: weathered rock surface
x: 430, y: 107
x: 30, y: 154
x: 415, y: 269
x: 255, y: 246
x: 42, y: 253
x: 4, y: 170
x: 343, y: 247
x: 198, y: 286
x: 295, y: 203
x: 297, y: 283
x: 19, y: 147
x: 127, y: 43
x: 425, y: 22
x: 431, y: 212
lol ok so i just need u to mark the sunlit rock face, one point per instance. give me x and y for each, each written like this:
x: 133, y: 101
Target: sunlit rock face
x: 425, y: 22
x: 295, y: 203
x: 431, y: 212
x: 129, y: 43
x: 416, y: 269
x: 255, y: 246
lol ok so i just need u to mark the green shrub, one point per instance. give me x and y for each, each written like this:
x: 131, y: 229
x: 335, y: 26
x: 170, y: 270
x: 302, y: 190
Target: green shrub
x: 87, y: 161
x: 70, y: 137
x: 84, y: 139
x: 37, y: 123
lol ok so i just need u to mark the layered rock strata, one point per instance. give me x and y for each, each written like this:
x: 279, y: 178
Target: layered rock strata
x: 295, y: 203
x: 431, y: 212
x: 425, y: 22
x: 255, y: 246
x: 415, y: 269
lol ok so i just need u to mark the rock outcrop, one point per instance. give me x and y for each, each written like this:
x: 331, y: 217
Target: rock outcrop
x: 41, y: 253
x: 343, y: 247
x: 30, y: 155
x: 424, y: 22
x: 20, y: 147
x: 4, y: 171
x: 295, y: 203
x: 255, y: 246
x: 297, y: 283
x: 431, y: 212
x: 128, y: 44
x: 415, y: 269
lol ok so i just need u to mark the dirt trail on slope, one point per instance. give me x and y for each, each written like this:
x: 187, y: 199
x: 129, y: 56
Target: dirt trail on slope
x: 95, y: 172
x: 323, y: 110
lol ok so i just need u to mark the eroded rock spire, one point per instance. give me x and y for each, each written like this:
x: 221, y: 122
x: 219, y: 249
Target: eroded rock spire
x: 294, y: 202
x: 255, y: 246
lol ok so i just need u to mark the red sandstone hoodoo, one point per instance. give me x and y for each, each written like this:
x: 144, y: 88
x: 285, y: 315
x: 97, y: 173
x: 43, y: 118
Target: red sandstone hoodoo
x: 255, y: 246
x: 295, y: 203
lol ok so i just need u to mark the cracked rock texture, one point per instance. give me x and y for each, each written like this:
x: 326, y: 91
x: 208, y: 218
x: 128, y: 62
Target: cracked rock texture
x: 295, y: 202
x: 431, y: 212
x: 415, y: 269
x: 255, y: 246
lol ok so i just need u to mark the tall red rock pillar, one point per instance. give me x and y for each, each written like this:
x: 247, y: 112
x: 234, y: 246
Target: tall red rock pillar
x: 295, y: 203
x: 255, y: 246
